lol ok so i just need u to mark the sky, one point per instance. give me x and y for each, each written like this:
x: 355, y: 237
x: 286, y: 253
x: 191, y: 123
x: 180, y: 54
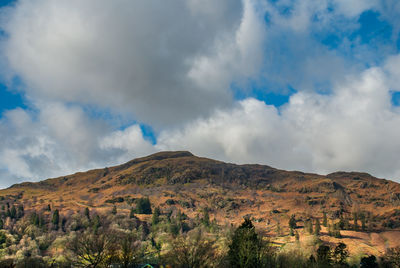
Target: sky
x: 295, y: 84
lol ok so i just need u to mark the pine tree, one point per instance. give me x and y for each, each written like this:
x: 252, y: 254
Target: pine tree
x: 87, y: 213
x: 310, y: 227
x: 363, y: 221
x: 355, y: 216
x: 330, y: 230
x: 34, y: 219
x: 55, y: 219
x: 278, y: 228
x: 143, y: 206
x: 20, y: 212
x: 247, y: 249
x: 48, y: 207
x: 336, y: 231
x: 63, y: 222
x: 324, y: 256
x: 41, y: 221
x: 96, y: 223
x: 206, y: 218
x: 292, y: 222
x: 156, y: 216
x: 324, y: 220
x: 317, y: 228
x: 114, y: 210
x: 8, y: 212
x: 13, y: 212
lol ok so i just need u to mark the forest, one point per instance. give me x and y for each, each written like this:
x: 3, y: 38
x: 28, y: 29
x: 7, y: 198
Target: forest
x: 85, y: 238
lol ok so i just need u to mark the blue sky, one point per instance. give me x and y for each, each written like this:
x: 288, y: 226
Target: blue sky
x: 288, y: 83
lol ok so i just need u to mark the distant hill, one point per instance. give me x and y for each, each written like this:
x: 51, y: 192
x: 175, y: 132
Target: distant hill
x: 180, y: 180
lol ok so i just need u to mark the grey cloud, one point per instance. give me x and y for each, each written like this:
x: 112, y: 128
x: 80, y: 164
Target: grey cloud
x: 355, y: 128
x: 132, y: 56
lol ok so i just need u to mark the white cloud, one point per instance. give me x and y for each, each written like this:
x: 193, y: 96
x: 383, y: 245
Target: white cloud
x: 130, y: 56
x: 129, y: 141
x: 355, y: 128
x: 58, y: 140
x: 171, y: 65
x: 353, y: 8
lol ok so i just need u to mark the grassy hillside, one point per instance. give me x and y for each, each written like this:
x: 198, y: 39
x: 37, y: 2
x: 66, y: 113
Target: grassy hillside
x: 365, y: 209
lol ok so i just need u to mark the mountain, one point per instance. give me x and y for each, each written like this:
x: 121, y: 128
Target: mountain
x: 180, y: 180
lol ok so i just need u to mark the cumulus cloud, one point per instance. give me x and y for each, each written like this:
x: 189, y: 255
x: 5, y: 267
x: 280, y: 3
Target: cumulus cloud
x: 171, y: 65
x: 354, y: 128
x: 133, y: 57
x: 58, y: 140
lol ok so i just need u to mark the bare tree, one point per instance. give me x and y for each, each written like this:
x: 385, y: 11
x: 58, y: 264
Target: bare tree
x: 192, y: 252
x: 89, y: 249
x: 129, y: 248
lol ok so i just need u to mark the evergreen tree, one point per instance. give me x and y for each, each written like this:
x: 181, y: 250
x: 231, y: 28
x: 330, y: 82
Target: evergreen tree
x: 8, y: 212
x: 324, y: 220
x: 355, y: 217
x: 143, y: 206
x: 114, y: 210
x: 13, y: 212
x: 309, y: 227
x: 324, y: 255
x: 317, y: 228
x: 63, y: 222
x: 1, y: 224
x: 291, y: 231
x: 41, y: 221
x: 336, y: 230
x: 55, y: 219
x: 87, y: 213
x: 48, y: 207
x: 363, y: 221
x: 330, y: 230
x: 156, y: 216
x: 20, y: 211
x: 278, y: 228
x: 34, y: 219
x: 96, y: 223
x: 206, y: 218
x: 292, y: 222
x: 247, y: 249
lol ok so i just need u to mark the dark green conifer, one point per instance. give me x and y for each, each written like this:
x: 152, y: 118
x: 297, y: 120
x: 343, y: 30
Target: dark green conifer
x: 317, y: 228
x: 324, y: 220
x: 87, y: 213
x: 156, y: 216
x: 55, y: 219
x: 114, y: 210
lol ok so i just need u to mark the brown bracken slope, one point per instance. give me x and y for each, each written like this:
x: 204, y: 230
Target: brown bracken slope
x: 180, y: 180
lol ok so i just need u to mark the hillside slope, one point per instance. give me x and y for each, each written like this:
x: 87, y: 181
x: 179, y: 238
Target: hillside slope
x: 180, y: 180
